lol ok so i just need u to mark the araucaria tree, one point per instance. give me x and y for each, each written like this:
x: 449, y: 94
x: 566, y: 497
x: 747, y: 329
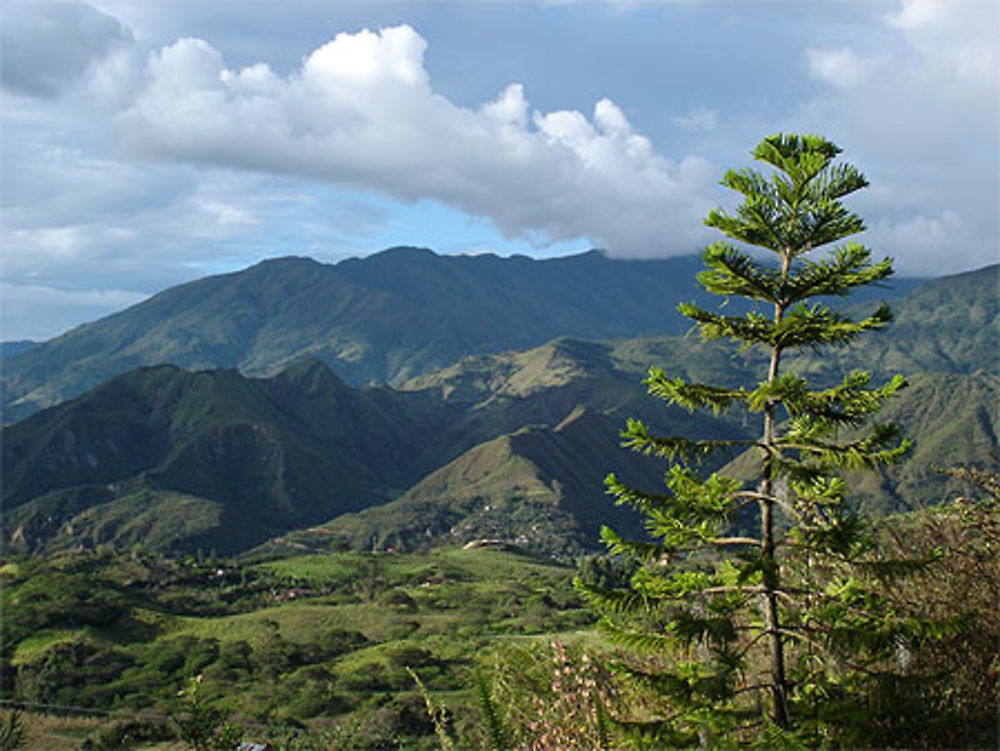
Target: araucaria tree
x: 758, y: 595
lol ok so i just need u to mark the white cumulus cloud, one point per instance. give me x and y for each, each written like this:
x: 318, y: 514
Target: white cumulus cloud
x: 919, y: 112
x: 841, y: 67
x: 361, y: 112
x: 698, y: 119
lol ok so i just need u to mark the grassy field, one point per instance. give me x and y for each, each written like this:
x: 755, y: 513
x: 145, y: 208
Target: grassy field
x: 320, y: 644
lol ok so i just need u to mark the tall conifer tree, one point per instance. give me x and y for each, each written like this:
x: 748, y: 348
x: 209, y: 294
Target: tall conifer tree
x: 720, y: 582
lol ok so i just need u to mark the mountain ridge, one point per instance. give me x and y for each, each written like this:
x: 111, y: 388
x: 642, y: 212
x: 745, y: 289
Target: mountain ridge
x: 379, y: 319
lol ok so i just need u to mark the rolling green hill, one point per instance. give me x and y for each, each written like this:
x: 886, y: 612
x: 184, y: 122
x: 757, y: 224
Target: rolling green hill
x: 242, y: 459
x: 539, y: 488
x: 257, y: 455
x: 949, y: 325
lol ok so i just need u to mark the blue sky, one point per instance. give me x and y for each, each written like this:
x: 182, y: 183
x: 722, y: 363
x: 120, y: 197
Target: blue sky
x: 146, y: 143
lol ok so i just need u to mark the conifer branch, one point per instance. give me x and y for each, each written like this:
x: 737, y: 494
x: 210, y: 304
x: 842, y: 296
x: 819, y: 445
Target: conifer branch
x: 637, y: 437
x: 847, y: 267
x: 691, y: 396
x: 732, y: 273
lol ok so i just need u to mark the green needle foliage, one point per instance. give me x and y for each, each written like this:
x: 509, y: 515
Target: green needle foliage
x: 759, y: 606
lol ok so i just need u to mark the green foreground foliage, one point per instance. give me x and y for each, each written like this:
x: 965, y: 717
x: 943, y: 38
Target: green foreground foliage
x: 331, y: 669
x: 319, y: 646
x: 761, y: 613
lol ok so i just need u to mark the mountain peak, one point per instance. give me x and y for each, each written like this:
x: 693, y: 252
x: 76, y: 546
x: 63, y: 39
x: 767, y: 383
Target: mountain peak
x: 286, y: 262
x: 379, y: 319
x: 311, y: 375
x: 404, y: 251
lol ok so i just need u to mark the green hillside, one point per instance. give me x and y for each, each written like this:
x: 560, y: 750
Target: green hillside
x: 540, y: 488
x: 949, y: 325
x: 512, y: 447
x: 302, y: 646
x: 248, y: 458
x: 253, y: 449
x: 953, y: 420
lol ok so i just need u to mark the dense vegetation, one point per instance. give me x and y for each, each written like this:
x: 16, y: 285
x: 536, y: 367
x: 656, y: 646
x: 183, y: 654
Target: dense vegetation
x: 318, y: 642
x: 312, y: 652
x: 512, y: 445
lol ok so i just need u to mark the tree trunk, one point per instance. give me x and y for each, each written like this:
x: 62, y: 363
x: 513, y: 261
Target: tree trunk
x: 779, y: 692
x: 770, y: 573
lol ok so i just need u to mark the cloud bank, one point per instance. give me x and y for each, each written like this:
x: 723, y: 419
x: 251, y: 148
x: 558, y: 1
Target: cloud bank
x: 921, y: 109
x: 361, y: 113
x: 83, y: 36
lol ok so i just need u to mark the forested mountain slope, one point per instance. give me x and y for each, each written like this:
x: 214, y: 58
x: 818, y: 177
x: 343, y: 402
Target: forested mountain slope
x: 268, y: 455
x: 247, y: 458
x: 378, y: 319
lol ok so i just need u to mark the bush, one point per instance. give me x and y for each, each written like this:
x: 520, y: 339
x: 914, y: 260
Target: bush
x: 397, y: 598
x: 406, y: 656
x: 955, y: 693
x: 368, y: 677
x: 58, y: 675
x: 126, y: 733
x: 59, y: 600
x: 405, y: 714
x: 339, y: 641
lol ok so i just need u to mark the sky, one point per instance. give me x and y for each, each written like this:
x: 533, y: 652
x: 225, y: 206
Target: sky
x: 145, y: 143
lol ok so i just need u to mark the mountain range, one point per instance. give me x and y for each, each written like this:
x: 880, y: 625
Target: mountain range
x: 287, y: 454
x: 249, y: 458
x: 379, y: 319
